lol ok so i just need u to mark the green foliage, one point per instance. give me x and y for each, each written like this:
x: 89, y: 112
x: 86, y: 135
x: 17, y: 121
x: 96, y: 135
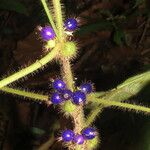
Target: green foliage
x: 101, y: 25
x: 129, y: 88
x: 145, y: 137
x: 119, y: 37
x: 37, y: 131
x: 13, y: 5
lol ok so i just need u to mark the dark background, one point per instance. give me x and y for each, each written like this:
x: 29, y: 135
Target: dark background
x: 114, y: 44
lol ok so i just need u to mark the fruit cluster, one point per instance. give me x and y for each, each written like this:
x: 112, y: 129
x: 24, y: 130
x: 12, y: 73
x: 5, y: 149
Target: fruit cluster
x: 62, y: 94
x: 47, y: 33
x: 86, y: 134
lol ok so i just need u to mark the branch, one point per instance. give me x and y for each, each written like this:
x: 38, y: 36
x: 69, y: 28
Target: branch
x: 114, y: 97
x: 108, y: 103
x: 38, y: 64
x: 93, y: 114
x: 59, y: 18
x: 48, y: 13
x: 24, y: 93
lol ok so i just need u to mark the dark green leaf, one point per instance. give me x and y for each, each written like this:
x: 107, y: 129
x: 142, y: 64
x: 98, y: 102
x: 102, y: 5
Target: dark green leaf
x: 13, y: 5
x: 119, y: 37
x: 102, y: 25
x: 37, y: 131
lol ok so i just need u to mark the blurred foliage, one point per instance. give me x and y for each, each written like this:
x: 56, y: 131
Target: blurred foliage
x: 14, y: 5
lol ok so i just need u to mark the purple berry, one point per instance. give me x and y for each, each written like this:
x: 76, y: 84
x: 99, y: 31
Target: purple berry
x: 89, y: 133
x: 86, y: 88
x: 67, y: 94
x: 71, y: 24
x: 47, y: 33
x: 67, y: 135
x: 78, y: 97
x: 56, y: 98
x: 59, y: 85
x: 78, y: 139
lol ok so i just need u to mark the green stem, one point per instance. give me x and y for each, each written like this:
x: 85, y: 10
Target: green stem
x: 59, y: 18
x: 38, y: 64
x: 25, y: 93
x: 108, y: 103
x: 67, y: 73
x: 92, y: 116
x: 47, y: 10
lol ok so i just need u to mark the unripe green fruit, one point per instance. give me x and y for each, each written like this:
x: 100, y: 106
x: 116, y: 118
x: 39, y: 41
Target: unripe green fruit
x: 92, y: 144
x: 69, y: 49
x: 68, y: 107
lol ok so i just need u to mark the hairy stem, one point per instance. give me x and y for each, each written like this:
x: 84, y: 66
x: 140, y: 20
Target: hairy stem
x: 59, y: 18
x: 92, y: 116
x: 38, y: 64
x: 78, y: 115
x: 67, y: 73
x: 24, y: 93
x: 48, y: 13
x: 108, y: 103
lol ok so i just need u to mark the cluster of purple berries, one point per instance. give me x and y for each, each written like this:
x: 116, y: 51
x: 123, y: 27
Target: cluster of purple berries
x: 62, y: 93
x: 87, y: 134
x: 47, y: 33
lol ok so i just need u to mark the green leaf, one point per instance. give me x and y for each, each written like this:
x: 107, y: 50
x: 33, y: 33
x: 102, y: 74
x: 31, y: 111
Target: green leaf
x: 37, y: 131
x: 13, y: 5
x: 101, y: 25
x: 119, y: 37
x: 129, y: 88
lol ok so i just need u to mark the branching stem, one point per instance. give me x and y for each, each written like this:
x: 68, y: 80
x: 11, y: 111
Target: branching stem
x: 38, y: 64
x: 109, y: 103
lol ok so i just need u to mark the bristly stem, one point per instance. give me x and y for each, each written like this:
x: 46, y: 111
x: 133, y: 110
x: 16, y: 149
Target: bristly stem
x: 38, y: 64
x: 24, y: 93
x: 48, y: 13
x: 109, y: 103
x: 78, y: 114
x: 67, y: 73
x: 59, y: 18
x: 127, y: 106
x: 93, y: 114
